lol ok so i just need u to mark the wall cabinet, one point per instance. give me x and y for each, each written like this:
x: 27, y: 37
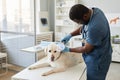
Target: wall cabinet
x: 63, y: 25
x: 116, y: 43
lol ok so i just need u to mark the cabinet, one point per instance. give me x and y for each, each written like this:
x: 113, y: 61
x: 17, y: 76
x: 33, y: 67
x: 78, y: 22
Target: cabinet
x: 63, y: 25
x: 44, y: 36
x: 3, y: 63
x: 116, y: 52
x: 115, y: 43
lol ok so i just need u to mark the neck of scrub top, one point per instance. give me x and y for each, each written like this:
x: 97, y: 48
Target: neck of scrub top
x: 91, y: 12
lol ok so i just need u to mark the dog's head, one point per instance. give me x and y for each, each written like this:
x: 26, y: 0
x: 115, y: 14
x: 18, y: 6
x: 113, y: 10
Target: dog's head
x: 52, y: 51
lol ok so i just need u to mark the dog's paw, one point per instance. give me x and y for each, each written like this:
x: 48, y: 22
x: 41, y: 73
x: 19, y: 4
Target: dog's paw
x: 45, y: 74
x: 31, y: 68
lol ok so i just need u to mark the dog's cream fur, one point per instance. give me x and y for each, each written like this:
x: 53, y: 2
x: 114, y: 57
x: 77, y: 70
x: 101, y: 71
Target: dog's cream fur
x: 60, y: 61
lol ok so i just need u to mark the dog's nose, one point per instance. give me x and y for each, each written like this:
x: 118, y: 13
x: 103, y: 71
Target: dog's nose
x: 52, y: 58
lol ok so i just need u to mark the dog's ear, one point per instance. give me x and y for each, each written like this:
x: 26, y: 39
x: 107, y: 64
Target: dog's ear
x: 46, y: 50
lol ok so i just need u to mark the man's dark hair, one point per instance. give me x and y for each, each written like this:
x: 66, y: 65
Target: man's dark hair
x: 77, y: 11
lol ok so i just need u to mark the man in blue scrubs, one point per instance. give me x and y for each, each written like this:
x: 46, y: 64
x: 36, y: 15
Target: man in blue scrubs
x: 96, y: 48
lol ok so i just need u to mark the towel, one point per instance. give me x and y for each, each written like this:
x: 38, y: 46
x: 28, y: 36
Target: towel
x: 59, y: 44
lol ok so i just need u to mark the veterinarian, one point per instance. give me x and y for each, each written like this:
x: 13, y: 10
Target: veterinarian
x: 96, y: 48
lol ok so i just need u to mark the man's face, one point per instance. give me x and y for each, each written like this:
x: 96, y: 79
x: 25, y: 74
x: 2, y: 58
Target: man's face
x: 82, y: 21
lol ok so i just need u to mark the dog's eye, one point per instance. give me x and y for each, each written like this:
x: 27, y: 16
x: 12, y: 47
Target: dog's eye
x: 49, y: 50
x: 55, y: 51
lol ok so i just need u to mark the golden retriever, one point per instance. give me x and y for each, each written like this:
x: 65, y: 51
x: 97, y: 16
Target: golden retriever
x: 60, y: 61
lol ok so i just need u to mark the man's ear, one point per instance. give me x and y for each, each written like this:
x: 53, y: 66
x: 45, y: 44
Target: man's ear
x: 46, y: 50
x: 85, y: 16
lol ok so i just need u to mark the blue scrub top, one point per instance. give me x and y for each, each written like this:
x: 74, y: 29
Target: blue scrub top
x: 97, y: 33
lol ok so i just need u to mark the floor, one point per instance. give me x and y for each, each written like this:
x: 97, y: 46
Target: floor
x: 113, y: 74
x: 12, y: 70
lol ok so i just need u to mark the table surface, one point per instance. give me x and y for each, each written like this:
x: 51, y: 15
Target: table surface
x: 33, y: 49
x: 72, y: 73
x: 37, y: 48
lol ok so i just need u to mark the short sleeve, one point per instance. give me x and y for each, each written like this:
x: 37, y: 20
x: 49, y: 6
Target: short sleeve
x: 95, y: 36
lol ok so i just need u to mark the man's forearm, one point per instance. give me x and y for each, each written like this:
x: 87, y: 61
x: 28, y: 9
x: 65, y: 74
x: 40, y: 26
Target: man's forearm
x: 82, y: 49
x: 78, y: 50
x: 76, y: 32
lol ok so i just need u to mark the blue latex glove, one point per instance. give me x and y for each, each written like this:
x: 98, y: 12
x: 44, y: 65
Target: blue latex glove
x: 61, y: 46
x: 66, y: 38
x: 66, y: 49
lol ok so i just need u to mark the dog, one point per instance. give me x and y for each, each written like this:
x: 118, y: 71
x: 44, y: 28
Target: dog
x: 58, y: 60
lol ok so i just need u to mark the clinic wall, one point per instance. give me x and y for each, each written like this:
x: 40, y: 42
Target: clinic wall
x: 48, y: 5
x: 43, y: 5
x: 51, y: 14
x: 108, y: 6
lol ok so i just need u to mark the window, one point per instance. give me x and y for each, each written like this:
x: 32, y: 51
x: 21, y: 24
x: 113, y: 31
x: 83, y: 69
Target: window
x: 17, y: 29
x: 16, y: 17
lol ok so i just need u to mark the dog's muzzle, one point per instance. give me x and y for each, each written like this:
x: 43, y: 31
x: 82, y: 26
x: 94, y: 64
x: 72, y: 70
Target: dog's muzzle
x: 52, y: 58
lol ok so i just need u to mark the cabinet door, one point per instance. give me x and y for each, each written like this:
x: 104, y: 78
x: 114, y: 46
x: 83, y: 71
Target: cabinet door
x: 48, y: 36
x: 116, y: 52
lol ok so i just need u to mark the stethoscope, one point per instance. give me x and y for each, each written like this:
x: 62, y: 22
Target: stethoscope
x: 85, y: 29
x: 84, y: 34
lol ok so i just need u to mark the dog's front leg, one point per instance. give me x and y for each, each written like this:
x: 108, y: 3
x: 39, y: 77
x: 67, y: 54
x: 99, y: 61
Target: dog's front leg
x: 55, y: 70
x: 39, y: 66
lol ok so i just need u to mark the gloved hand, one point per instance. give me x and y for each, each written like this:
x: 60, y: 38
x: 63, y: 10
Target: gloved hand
x: 66, y: 49
x: 63, y: 48
x: 66, y: 38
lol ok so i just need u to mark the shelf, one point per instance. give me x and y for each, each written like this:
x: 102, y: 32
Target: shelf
x: 116, y: 53
x: 62, y: 15
x: 63, y: 24
x: 62, y: 6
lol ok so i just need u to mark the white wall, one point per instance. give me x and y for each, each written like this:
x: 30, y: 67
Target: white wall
x: 108, y: 6
x: 44, y: 5
x: 52, y: 14
x: 48, y: 5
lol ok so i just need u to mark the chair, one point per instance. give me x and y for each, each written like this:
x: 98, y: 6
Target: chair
x: 3, y: 63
